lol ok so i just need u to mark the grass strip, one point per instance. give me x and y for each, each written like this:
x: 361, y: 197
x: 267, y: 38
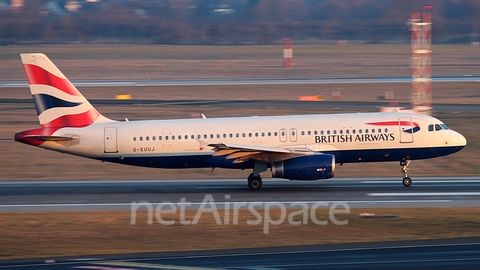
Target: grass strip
x: 54, y: 234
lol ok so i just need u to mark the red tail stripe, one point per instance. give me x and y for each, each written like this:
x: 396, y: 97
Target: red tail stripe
x: 394, y: 123
x: 38, y: 75
x: 74, y: 120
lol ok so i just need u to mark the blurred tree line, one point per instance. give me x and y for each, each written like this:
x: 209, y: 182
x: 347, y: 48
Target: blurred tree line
x: 235, y: 21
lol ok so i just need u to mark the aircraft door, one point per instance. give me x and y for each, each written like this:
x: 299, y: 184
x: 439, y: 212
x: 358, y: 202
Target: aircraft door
x: 283, y: 134
x: 110, y: 140
x: 293, y: 134
x: 406, y: 129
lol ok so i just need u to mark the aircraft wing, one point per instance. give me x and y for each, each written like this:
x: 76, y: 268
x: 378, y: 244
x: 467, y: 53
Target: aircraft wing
x: 241, y: 152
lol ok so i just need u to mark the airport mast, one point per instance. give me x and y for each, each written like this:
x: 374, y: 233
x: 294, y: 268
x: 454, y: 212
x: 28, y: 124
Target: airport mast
x: 421, y: 61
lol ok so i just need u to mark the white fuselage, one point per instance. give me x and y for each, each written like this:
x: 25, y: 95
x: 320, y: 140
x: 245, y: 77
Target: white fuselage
x: 361, y: 137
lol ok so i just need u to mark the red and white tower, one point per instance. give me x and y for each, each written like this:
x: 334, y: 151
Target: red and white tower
x: 287, y: 52
x: 421, y: 61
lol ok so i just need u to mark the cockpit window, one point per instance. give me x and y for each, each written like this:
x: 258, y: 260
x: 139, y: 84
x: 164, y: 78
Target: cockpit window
x: 437, y: 127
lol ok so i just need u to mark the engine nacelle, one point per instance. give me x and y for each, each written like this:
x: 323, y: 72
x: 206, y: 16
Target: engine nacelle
x: 320, y: 166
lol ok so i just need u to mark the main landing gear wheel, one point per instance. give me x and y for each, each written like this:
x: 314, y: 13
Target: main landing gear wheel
x: 254, y: 182
x: 407, y: 181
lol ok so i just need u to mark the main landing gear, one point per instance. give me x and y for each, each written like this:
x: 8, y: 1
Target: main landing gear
x: 407, y: 181
x: 254, y: 182
x: 254, y: 179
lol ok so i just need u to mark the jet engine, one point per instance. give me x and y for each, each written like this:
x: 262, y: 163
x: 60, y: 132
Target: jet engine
x: 312, y: 167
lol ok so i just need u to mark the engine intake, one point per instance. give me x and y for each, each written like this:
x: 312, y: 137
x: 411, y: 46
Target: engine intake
x: 313, y: 167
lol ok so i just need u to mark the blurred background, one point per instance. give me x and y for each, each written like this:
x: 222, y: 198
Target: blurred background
x: 218, y: 22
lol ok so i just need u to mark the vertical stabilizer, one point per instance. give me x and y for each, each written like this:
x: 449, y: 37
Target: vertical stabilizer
x: 57, y: 100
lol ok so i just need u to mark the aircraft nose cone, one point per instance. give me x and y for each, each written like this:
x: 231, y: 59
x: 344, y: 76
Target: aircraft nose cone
x: 459, y: 139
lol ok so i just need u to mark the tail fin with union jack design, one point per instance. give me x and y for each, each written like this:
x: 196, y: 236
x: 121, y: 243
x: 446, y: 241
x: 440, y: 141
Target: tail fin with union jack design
x: 58, y: 103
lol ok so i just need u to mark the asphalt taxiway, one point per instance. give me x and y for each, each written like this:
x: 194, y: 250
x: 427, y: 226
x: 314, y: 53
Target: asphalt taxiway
x: 332, y: 105
x: 245, y: 81
x: 461, y: 253
x: 119, y: 195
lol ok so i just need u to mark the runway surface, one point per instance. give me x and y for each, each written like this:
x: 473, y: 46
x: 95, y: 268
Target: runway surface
x: 245, y: 81
x: 463, y: 253
x: 120, y: 195
x: 333, y: 105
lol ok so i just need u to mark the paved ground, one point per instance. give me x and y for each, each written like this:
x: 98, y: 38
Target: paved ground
x: 245, y: 81
x: 461, y: 253
x: 119, y: 195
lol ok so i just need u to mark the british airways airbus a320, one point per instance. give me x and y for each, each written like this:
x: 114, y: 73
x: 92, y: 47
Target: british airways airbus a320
x: 297, y: 147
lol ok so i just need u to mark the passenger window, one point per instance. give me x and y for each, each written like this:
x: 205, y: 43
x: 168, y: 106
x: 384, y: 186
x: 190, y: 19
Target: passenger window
x: 341, y: 131
x: 309, y: 132
x: 430, y: 127
x: 173, y: 137
x: 269, y: 134
x: 359, y: 131
x: 250, y: 135
x: 159, y: 138
x: 303, y: 133
x: 199, y: 136
x: 366, y: 130
x: 256, y: 134
x: 211, y: 136
x: 275, y: 134
x: 186, y: 137
x: 166, y: 138
x: 141, y: 138
x: 218, y: 136
x: 386, y: 130
x: 315, y: 132
x: 204, y: 136
x: 379, y: 130
x: 373, y: 130
x: 237, y: 135
x: 179, y: 137
x: 335, y: 132
x: 154, y: 138
x: 328, y: 132
x: 293, y: 133
x: 321, y: 132
x: 243, y: 135
x: 147, y: 138
x: 347, y: 131
x: 263, y: 134
x: 224, y: 135
x: 231, y: 135
x: 193, y: 137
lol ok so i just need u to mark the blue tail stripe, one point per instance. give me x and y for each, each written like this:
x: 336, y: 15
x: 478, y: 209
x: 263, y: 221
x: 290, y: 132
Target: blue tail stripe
x: 45, y: 102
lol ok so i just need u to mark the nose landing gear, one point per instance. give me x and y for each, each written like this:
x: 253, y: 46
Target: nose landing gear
x: 407, y: 181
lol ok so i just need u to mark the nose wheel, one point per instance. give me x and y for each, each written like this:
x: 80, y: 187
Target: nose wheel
x: 407, y: 181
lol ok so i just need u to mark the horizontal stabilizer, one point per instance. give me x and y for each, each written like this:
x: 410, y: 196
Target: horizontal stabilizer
x: 52, y: 138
